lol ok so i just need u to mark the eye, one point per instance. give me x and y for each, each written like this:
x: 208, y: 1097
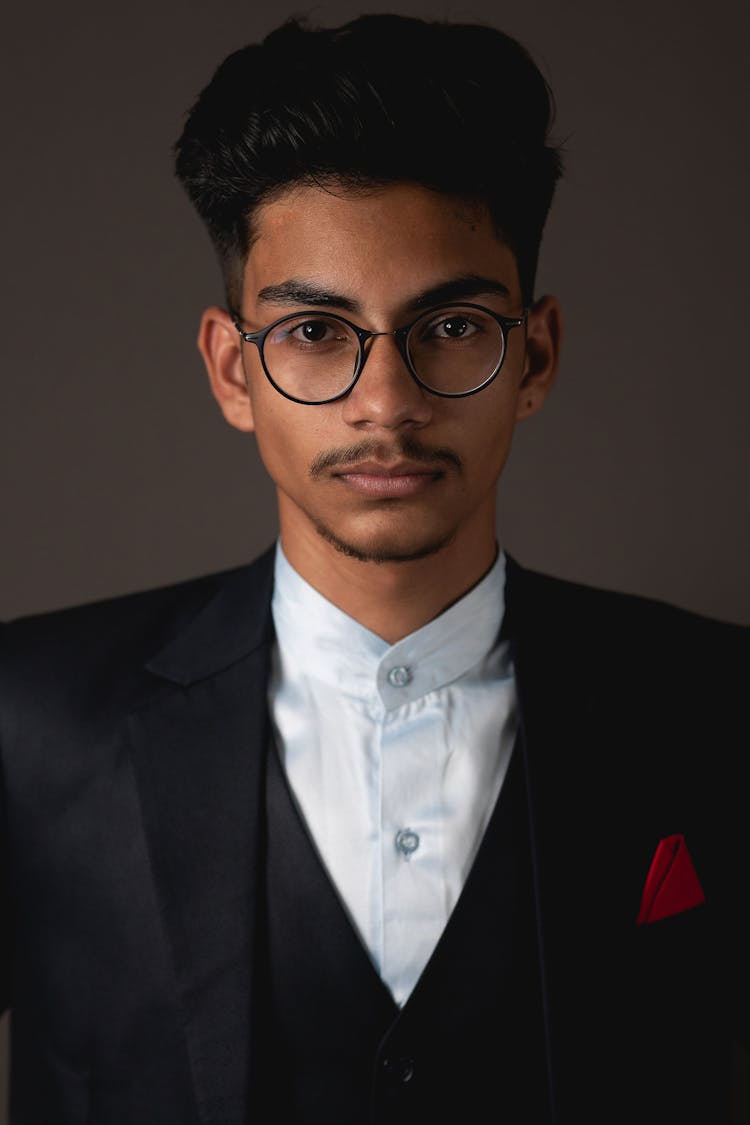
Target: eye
x: 309, y: 331
x: 451, y: 326
x: 454, y: 327
x: 313, y: 331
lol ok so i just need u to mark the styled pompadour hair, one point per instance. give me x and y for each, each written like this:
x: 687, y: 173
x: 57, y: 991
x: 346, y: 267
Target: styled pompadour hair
x: 461, y: 109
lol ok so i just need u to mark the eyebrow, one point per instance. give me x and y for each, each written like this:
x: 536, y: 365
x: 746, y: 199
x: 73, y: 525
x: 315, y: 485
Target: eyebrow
x: 464, y: 286
x: 294, y: 292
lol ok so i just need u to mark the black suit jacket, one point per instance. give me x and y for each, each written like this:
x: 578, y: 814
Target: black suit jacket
x: 132, y: 735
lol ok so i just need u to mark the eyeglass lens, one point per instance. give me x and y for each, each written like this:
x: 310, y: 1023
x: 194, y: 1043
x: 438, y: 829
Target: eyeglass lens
x: 453, y: 351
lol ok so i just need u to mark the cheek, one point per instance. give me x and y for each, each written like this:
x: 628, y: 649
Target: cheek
x: 490, y: 430
x: 269, y: 430
x: 286, y: 438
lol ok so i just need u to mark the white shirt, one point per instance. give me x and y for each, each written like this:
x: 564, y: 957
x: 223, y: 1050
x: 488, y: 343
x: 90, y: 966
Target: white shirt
x: 395, y: 755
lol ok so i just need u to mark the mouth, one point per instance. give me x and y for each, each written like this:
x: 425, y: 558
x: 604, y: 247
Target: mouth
x: 389, y: 481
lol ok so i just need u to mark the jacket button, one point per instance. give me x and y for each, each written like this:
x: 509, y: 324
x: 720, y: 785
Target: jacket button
x: 406, y: 1069
x: 401, y: 1069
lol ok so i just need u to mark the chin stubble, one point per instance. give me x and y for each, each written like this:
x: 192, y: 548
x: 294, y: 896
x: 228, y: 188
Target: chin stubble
x: 382, y: 554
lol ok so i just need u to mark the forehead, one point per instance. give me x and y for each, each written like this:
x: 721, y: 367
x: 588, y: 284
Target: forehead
x: 344, y: 203
x: 387, y: 240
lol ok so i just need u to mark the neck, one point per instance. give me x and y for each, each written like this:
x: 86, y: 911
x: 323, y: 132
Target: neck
x: 391, y: 599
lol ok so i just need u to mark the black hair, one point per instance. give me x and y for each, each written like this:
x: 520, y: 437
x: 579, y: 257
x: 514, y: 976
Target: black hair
x: 459, y: 108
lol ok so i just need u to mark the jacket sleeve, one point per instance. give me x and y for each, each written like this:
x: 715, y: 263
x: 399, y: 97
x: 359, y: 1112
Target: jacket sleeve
x: 6, y: 910
x: 736, y: 743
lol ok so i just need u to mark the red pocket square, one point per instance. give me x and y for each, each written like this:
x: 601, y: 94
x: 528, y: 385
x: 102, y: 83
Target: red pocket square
x: 671, y: 884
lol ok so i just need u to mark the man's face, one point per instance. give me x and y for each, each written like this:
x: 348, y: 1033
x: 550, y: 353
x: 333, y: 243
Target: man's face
x: 390, y: 472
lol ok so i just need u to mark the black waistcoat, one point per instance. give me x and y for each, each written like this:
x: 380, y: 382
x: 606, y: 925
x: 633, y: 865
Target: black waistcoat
x: 468, y: 1045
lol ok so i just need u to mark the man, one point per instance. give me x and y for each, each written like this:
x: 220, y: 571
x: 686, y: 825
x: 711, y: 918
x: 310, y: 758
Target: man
x: 382, y: 827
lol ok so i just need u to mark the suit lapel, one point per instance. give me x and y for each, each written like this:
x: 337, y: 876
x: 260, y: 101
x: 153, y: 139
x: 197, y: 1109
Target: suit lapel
x: 199, y: 752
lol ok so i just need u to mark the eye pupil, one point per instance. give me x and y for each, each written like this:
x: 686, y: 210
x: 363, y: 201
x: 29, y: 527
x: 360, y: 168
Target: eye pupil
x: 313, y: 330
x: 455, y: 327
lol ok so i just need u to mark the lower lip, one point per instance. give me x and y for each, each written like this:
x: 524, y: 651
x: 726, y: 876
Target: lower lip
x: 370, y: 484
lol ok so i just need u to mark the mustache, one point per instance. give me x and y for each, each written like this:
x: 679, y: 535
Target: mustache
x: 407, y: 448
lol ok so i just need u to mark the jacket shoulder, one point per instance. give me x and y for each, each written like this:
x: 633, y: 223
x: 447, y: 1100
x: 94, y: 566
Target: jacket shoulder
x: 595, y: 614
x: 99, y: 649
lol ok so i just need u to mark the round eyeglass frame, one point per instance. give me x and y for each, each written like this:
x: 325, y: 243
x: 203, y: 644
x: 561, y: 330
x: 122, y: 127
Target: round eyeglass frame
x: 363, y: 335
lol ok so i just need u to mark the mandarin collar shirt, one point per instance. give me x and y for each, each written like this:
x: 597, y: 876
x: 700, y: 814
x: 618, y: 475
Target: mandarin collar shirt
x: 395, y: 756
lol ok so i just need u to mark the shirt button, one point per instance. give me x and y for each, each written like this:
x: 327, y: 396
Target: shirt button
x: 399, y: 677
x: 407, y: 842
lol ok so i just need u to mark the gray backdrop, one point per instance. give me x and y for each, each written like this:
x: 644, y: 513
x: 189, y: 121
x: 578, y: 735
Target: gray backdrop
x: 117, y: 471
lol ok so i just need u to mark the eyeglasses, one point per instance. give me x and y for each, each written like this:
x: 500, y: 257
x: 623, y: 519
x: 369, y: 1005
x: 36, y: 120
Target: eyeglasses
x: 314, y: 357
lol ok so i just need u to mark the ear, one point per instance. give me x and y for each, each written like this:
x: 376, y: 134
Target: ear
x: 543, y: 340
x: 219, y: 344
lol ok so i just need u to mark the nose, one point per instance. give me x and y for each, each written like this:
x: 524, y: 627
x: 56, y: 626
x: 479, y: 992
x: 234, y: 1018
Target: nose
x: 386, y: 396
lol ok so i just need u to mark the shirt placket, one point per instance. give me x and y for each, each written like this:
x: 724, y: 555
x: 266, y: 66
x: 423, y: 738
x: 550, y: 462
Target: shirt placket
x: 412, y: 752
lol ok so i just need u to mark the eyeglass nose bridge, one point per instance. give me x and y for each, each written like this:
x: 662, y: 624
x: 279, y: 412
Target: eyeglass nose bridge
x: 364, y: 336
